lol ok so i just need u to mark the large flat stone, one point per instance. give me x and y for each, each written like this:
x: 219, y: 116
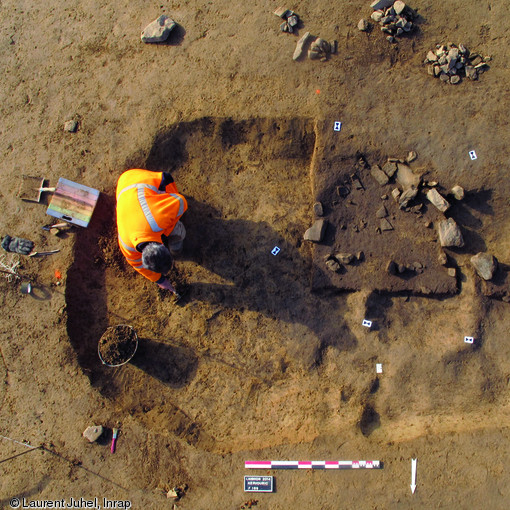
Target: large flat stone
x: 450, y: 234
x: 485, y: 265
x: 381, y: 4
x: 437, y: 200
x: 316, y: 232
x: 406, y: 177
x: 301, y: 46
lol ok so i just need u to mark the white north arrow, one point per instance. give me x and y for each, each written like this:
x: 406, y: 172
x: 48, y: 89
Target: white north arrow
x: 413, y: 475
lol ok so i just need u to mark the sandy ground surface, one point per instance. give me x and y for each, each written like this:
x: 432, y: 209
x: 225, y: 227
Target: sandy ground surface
x: 251, y: 364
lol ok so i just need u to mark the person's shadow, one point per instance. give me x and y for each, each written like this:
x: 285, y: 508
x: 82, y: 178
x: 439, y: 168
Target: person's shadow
x: 278, y: 286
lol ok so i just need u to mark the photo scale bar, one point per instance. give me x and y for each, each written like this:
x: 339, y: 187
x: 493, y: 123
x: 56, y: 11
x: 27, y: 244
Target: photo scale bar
x: 312, y: 464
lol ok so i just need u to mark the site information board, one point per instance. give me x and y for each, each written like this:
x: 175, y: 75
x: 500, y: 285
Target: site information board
x: 258, y: 484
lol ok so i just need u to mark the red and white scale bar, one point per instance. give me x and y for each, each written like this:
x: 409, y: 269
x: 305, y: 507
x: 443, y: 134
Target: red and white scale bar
x: 312, y: 464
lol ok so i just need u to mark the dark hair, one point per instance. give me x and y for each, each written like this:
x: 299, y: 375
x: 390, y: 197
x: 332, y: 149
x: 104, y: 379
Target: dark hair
x: 157, y: 258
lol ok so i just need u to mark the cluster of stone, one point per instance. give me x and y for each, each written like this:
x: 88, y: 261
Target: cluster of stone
x: 336, y: 261
x: 319, y: 49
x: 395, y: 18
x: 291, y: 19
x: 450, y: 63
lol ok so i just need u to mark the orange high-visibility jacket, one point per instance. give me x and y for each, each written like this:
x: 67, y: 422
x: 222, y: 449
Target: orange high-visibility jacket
x: 146, y: 210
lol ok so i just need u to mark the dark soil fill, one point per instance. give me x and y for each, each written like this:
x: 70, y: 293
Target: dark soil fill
x: 117, y: 345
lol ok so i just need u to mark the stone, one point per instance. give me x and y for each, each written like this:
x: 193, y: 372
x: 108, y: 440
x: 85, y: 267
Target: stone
x: 471, y: 73
x: 377, y: 15
x: 444, y: 77
x: 442, y: 258
x: 408, y: 195
x: 316, y: 232
x: 485, y: 265
x: 453, y: 54
x: 449, y: 233
x: 284, y: 27
x: 458, y: 192
x: 381, y: 4
x: 318, y: 209
x: 292, y: 20
x: 281, y: 12
x: 385, y: 225
x: 431, y: 56
x: 431, y: 70
x: 455, y: 79
x: 93, y: 433
x: 395, y: 194
x: 437, y: 71
x: 401, y: 268
x: 172, y: 494
x: 391, y: 267
x: 71, y: 126
x: 363, y: 25
x: 344, y: 258
x: 399, y: 7
x: 300, y: 46
x: 391, y: 39
x: 158, y: 30
x: 314, y: 54
x: 360, y: 256
x: 406, y: 177
x: 333, y: 265
x: 379, y: 175
x: 390, y: 168
x: 411, y: 156
x: 384, y: 197
x: 452, y: 272
x: 381, y: 212
x: 437, y: 200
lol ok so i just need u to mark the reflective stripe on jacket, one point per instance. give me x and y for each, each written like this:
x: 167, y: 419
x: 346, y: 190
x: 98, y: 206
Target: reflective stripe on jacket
x: 145, y: 211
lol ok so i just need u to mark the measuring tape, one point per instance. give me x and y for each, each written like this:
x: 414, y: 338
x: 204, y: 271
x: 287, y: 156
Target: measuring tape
x: 312, y: 464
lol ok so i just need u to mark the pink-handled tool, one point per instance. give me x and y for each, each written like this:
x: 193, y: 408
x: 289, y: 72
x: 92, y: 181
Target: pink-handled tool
x: 114, y: 439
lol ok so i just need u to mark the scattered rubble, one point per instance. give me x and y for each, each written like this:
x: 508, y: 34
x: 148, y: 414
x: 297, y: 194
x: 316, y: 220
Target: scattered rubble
x: 395, y: 18
x: 291, y: 22
x: 158, y: 30
x: 449, y: 233
x: 450, y: 63
x: 93, y: 433
x: 485, y: 265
